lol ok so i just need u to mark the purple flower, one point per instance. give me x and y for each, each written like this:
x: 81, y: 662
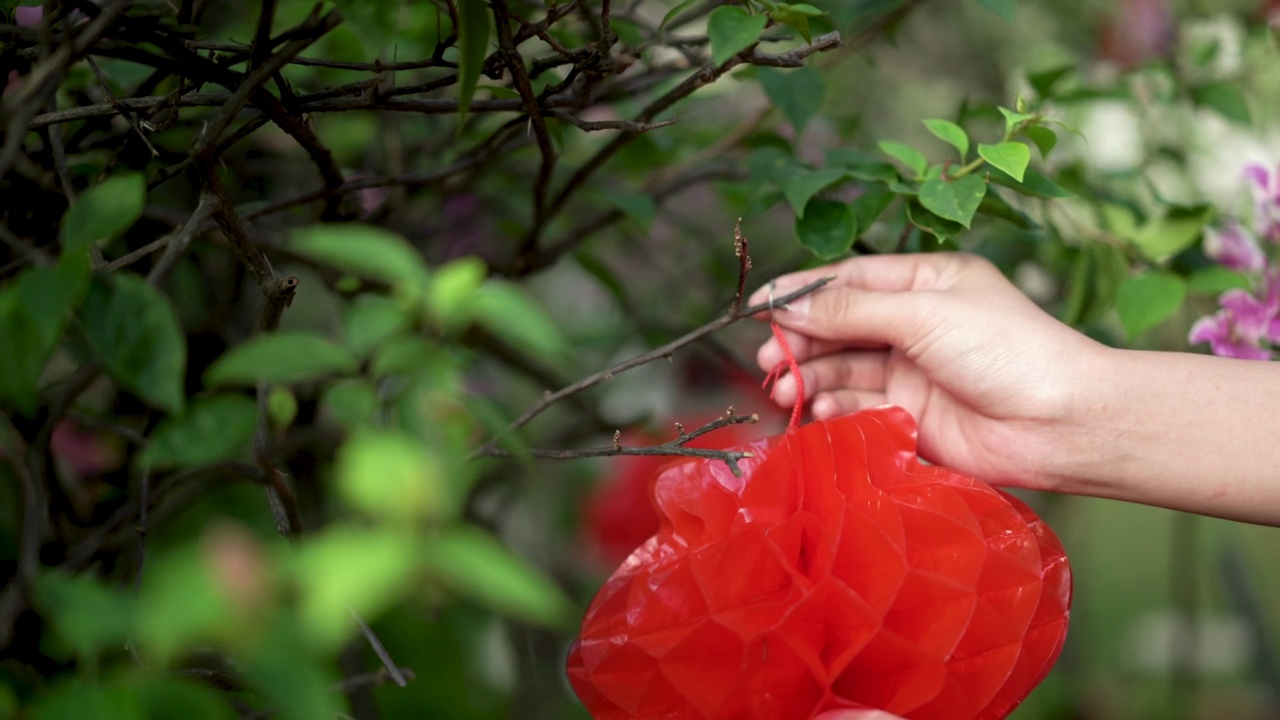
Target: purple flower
x: 1237, y: 330
x: 1266, y: 201
x: 1235, y: 248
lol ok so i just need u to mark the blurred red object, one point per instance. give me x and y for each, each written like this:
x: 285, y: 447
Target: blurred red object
x: 1139, y: 31
x: 836, y: 572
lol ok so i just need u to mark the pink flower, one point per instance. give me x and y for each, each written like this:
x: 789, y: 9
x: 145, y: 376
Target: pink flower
x: 1237, y: 330
x: 1235, y: 248
x: 1266, y: 201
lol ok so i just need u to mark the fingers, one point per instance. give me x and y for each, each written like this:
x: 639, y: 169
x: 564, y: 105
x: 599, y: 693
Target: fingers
x: 846, y: 370
x: 883, y: 273
x: 834, y: 404
x: 802, y: 347
x: 856, y: 317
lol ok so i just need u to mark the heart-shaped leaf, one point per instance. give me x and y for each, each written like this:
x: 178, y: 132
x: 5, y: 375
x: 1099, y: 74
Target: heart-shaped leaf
x: 1012, y: 157
x: 950, y: 133
x: 732, y: 30
x: 827, y: 228
x: 955, y: 200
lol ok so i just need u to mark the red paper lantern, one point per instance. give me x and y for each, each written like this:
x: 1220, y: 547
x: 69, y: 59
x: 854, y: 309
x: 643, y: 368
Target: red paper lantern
x: 836, y: 572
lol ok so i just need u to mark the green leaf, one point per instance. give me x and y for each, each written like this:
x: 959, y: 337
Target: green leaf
x: 1163, y: 237
x: 996, y: 206
x: 370, y: 319
x: 512, y: 314
x: 802, y: 184
x: 401, y: 355
x: 1147, y: 300
x: 282, y: 407
x: 84, y: 700
x: 956, y: 200
x: 732, y: 30
x: 673, y: 12
x: 1012, y: 119
x: 1002, y: 8
x: 939, y: 227
x: 88, y: 615
x: 364, y: 250
x: 1011, y: 157
x: 1045, y: 81
x: 133, y: 329
x: 797, y: 93
x: 288, y: 356
x: 1044, y: 138
x: 477, y: 566
x: 104, y: 211
x: 352, y: 401
x: 827, y: 228
x: 796, y: 17
x: 21, y: 359
x: 1215, y: 279
x: 451, y: 289
x: 473, y: 46
x: 915, y: 160
x: 169, y: 698
x: 1225, y: 97
x: 391, y: 477
x: 212, y: 430
x: 180, y: 604
x: 50, y: 292
x: 347, y: 568
x: 1033, y: 183
x: 950, y: 133
x: 869, y: 205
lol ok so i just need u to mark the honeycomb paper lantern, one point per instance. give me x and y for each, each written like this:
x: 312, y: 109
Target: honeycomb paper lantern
x: 837, y: 571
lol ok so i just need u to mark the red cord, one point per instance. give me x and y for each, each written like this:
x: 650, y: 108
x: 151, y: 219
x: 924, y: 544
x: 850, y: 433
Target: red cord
x: 790, y: 364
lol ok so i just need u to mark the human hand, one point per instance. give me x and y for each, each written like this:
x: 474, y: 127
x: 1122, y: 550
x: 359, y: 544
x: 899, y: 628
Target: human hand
x: 989, y: 376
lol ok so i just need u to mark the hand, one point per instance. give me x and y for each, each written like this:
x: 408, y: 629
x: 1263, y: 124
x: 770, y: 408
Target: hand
x: 988, y: 376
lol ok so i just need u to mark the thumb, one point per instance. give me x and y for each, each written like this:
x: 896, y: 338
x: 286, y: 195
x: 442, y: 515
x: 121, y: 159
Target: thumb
x: 856, y: 715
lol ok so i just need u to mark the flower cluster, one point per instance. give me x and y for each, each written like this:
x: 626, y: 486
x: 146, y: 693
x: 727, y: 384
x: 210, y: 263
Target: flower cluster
x: 1247, y: 324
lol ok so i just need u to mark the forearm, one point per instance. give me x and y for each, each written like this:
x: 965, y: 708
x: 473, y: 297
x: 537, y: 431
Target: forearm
x: 1183, y: 431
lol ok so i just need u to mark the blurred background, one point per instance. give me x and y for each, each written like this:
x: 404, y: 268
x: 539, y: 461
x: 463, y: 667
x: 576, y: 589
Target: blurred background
x: 135, y: 533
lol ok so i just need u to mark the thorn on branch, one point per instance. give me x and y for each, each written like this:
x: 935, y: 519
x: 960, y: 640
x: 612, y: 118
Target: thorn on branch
x: 744, y: 266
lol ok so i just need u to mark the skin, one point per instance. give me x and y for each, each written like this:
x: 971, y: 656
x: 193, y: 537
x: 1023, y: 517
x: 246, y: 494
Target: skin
x: 1004, y: 392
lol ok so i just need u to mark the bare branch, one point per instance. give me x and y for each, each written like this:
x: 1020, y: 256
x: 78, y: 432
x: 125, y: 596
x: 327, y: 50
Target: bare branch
x: 659, y: 353
x: 625, y: 125
x: 676, y: 447
x: 794, y: 58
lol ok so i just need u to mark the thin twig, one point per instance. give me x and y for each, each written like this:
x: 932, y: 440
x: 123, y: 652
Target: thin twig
x: 659, y: 353
x: 674, y: 447
x: 176, y: 242
x: 625, y: 125
x: 794, y: 58
x: 133, y: 122
x: 379, y: 649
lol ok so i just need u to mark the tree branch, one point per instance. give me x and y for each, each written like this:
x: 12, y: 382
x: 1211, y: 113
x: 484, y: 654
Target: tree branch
x: 659, y: 353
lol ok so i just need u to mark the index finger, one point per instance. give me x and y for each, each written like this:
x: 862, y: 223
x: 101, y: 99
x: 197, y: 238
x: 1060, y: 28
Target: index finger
x: 885, y: 273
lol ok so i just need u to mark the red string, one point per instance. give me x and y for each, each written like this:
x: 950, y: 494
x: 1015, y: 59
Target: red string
x: 790, y: 364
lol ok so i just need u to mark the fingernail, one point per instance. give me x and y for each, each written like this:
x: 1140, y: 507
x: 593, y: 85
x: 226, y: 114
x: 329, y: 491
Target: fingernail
x: 799, y: 306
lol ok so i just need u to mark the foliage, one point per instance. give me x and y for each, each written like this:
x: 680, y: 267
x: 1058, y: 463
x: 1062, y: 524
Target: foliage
x: 282, y: 291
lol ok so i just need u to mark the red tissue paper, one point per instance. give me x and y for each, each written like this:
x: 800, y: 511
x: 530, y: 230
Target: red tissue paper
x: 837, y: 571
